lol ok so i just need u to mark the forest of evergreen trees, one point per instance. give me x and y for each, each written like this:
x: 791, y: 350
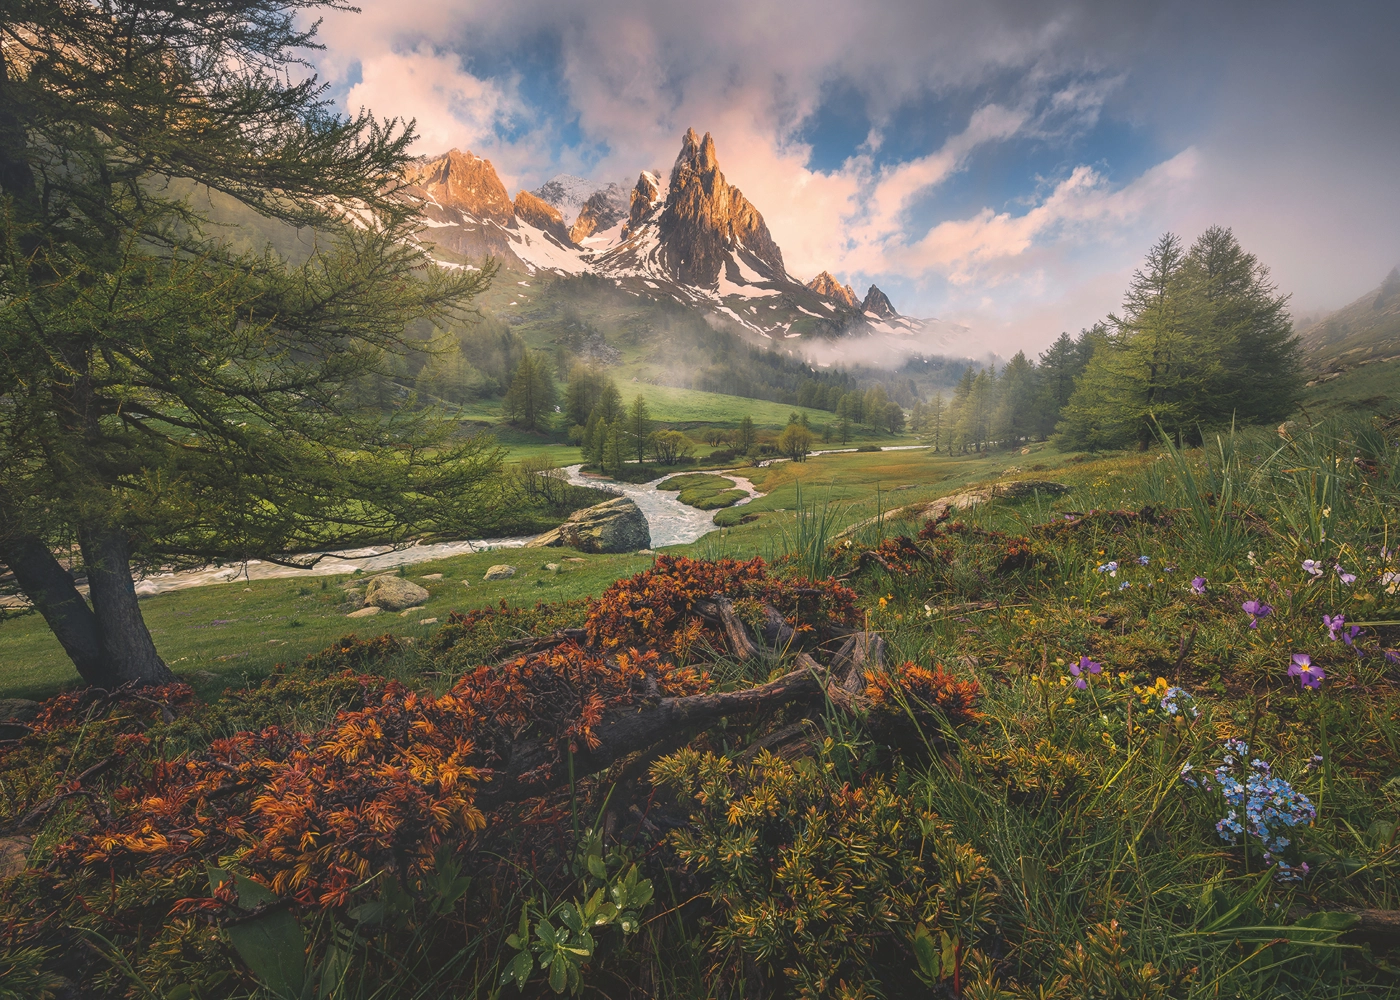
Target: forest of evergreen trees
x: 1204, y: 339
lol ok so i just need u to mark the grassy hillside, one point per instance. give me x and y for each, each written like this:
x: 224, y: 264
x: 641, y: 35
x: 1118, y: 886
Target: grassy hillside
x: 1365, y: 330
x: 1111, y: 750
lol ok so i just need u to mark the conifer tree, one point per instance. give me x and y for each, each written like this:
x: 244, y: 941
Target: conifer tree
x: 168, y: 397
x: 639, y: 427
x: 747, y: 437
x: 933, y: 420
x: 1204, y: 339
x: 1016, y: 403
x: 529, y: 402
x: 615, y: 447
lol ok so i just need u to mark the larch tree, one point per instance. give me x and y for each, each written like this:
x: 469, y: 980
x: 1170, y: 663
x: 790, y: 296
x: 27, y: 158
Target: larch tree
x: 165, y: 398
x: 1204, y: 339
x: 530, y: 400
x: 639, y: 427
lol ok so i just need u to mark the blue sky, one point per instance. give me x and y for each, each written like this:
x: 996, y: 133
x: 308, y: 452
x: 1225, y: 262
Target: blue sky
x: 1000, y: 164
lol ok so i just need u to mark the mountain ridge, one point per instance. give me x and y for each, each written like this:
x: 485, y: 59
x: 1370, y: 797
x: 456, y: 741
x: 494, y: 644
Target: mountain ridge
x: 694, y: 239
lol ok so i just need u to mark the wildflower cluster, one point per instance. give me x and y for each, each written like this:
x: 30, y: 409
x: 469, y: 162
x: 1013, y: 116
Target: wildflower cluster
x: 1258, y: 804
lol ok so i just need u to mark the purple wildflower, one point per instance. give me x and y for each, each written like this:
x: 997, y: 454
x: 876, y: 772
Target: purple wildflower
x: 1334, y: 625
x: 1309, y: 675
x: 1256, y: 610
x: 1079, y: 681
x: 1090, y: 665
x: 1312, y: 567
x: 1347, y: 578
x: 1143, y: 560
x: 1198, y: 585
x: 1111, y: 568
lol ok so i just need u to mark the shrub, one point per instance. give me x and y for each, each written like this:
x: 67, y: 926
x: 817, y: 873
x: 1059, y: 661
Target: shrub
x: 821, y: 878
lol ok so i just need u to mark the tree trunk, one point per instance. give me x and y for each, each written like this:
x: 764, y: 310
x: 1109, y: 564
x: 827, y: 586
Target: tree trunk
x: 128, y: 650
x: 50, y: 589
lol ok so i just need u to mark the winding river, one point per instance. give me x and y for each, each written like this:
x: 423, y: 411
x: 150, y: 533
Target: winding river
x: 671, y: 523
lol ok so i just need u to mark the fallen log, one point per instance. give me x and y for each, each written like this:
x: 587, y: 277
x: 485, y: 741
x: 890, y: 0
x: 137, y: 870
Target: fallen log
x: 538, y: 643
x: 528, y: 772
x: 734, y: 630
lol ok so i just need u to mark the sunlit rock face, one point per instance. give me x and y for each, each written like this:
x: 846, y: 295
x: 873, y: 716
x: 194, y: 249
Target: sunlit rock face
x: 706, y: 216
x: 541, y: 215
x: 829, y: 288
x: 877, y: 304
x: 463, y: 203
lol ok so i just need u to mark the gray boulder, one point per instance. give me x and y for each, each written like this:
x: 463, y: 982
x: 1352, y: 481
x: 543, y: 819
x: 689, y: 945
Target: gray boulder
x: 18, y: 710
x: 615, y: 526
x: 394, y: 593
x: 500, y: 571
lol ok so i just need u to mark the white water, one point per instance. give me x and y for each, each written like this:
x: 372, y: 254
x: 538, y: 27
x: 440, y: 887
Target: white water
x: 671, y: 523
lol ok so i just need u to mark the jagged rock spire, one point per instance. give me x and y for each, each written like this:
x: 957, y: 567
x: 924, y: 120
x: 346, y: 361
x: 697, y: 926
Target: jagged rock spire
x: 828, y: 287
x: 877, y: 303
x: 705, y: 217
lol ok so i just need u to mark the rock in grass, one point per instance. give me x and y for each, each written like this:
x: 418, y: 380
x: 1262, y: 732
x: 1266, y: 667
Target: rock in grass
x: 427, y: 621
x: 410, y: 611
x: 499, y: 572
x: 18, y: 710
x: 431, y: 576
x: 961, y: 501
x: 552, y: 567
x: 394, y: 593
x: 364, y: 612
x: 615, y: 526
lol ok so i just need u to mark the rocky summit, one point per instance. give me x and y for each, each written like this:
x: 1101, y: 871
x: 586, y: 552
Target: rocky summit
x: 829, y: 288
x: 542, y: 215
x: 877, y: 304
x: 602, y: 210
x: 692, y: 239
x: 705, y: 215
x: 613, y: 526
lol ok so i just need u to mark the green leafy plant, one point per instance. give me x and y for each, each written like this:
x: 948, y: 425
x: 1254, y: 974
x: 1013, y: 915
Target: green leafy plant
x: 559, y: 939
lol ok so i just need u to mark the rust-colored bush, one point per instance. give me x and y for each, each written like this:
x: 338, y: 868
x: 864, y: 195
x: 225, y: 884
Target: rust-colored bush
x: 922, y: 688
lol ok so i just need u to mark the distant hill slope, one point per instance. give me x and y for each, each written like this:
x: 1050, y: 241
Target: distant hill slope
x: 1367, y: 330
x: 1354, y: 354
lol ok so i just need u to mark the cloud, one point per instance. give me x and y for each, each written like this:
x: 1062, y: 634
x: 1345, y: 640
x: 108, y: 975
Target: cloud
x: 1014, y: 161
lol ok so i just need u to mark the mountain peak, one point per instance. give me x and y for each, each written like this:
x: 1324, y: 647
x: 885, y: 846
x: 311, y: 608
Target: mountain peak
x: 543, y: 216
x: 602, y: 210
x: 463, y: 181
x: 705, y: 217
x: 878, y: 304
x: 829, y: 288
x: 566, y: 192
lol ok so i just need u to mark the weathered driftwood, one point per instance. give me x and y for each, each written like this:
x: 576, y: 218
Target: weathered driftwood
x: 529, y: 771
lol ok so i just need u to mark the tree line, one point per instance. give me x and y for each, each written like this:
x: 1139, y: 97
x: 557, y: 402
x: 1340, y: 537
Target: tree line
x: 1203, y: 338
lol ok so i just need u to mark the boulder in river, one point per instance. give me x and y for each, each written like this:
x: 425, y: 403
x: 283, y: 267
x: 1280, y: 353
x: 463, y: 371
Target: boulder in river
x: 617, y: 525
x: 394, y: 593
